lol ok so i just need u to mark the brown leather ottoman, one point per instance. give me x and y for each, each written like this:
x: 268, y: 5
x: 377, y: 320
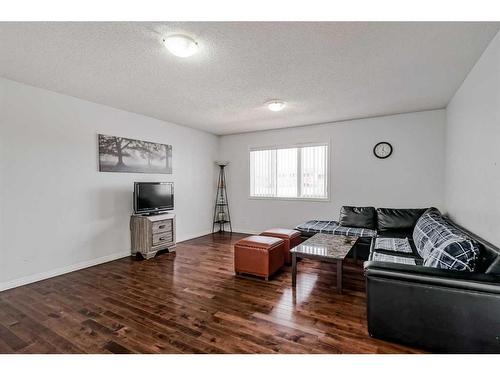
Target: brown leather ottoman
x: 258, y: 255
x: 291, y: 237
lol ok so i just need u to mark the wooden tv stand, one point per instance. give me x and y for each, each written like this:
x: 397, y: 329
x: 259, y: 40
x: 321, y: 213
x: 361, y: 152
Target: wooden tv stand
x: 150, y: 234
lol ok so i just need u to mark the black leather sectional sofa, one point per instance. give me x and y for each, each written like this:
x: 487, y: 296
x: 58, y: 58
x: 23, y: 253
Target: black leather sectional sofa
x: 429, y: 282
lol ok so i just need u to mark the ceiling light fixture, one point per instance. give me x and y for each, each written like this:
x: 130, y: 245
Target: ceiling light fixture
x: 180, y: 45
x: 275, y: 105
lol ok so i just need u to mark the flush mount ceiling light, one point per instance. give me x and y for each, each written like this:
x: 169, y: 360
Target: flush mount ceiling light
x: 276, y: 105
x: 180, y: 45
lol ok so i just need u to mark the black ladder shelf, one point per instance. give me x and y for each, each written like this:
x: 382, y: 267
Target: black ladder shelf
x: 221, y: 210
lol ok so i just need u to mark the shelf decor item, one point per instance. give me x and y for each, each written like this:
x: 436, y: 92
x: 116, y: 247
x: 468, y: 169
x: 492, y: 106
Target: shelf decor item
x: 221, y: 209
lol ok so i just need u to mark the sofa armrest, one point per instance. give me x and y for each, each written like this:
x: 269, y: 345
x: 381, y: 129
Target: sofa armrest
x: 434, y: 276
x: 440, y: 310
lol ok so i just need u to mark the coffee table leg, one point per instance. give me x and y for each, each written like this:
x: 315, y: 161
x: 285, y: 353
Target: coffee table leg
x: 339, y: 276
x: 294, y: 270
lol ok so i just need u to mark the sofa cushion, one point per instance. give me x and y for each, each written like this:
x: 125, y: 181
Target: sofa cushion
x: 332, y: 227
x: 357, y: 217
x: 396, y: 233
x: 494, y: 267
x: 442, y: 245
x: 355, y: 232
x: 401, y: 245
x: 398, y: 219
x: 382, y: 257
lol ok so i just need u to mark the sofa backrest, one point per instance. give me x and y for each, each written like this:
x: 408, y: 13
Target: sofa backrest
x: 489, y: 254
x: 398, y: 219
x: 443, y: 245
x: 357, y: 217
x: 394, y: 220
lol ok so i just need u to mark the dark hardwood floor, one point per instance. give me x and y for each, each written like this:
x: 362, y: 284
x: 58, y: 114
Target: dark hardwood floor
x: 189, y: 302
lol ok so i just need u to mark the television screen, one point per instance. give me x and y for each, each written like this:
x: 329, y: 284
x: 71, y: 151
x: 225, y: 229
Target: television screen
x: 153, y: 196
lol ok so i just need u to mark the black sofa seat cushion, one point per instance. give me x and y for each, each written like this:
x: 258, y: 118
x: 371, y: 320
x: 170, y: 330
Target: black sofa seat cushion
x: 442, y: 245
x: 332, y: 227
x: 398, y: 219
x: 357, y: 217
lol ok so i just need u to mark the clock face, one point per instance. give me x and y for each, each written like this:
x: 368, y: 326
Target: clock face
x: 382, y: 150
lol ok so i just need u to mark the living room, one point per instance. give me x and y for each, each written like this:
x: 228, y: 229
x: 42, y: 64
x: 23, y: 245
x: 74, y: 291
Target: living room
x: 321, y: 187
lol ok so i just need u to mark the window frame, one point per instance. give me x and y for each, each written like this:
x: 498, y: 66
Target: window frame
x: 299, y: 177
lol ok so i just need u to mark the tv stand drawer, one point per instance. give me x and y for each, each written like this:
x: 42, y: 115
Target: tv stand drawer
x: 162, y: 226
x: 162, y: 237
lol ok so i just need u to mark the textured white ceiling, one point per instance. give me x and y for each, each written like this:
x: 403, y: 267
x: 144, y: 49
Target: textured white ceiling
x: 326, y: 71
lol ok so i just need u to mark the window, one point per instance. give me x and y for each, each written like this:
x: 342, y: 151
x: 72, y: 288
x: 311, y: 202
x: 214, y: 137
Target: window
x: 289, y: 172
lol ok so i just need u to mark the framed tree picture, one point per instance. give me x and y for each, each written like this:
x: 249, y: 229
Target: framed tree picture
x: 118, y: 154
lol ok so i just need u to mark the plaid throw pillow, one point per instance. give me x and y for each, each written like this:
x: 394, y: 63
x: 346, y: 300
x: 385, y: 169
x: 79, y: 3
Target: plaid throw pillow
x: 441, y: 245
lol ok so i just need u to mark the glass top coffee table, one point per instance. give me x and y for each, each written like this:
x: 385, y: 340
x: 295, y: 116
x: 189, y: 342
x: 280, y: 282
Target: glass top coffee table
x: 325, y: 247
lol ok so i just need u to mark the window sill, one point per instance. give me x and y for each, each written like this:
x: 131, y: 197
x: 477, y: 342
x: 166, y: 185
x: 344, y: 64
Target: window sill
x: 290, y: 199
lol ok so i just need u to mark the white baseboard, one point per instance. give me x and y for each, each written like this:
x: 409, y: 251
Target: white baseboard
x: 78, y: 266
x: 201, y: 234
x: 193, y: 235
x: 246, y: 231
x: 62, y: 270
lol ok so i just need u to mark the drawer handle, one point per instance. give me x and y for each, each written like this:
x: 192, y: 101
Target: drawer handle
x: 161, y: 226
x: 162, y: 238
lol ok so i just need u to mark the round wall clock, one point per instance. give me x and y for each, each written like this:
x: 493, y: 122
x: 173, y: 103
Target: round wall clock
x: 382, y: 150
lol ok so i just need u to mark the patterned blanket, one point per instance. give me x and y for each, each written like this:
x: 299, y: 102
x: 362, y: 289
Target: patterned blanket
x: 401, y: 245
x: 333, y: 227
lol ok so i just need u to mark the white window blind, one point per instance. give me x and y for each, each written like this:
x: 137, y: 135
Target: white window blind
x: 290, y: 172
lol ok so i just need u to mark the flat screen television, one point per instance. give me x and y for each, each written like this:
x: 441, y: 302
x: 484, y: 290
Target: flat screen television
x: 153, y: 197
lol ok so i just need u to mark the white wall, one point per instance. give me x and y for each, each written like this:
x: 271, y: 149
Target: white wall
x: 473, y: 148
x: 412, y: 177
x: 58, y: 212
